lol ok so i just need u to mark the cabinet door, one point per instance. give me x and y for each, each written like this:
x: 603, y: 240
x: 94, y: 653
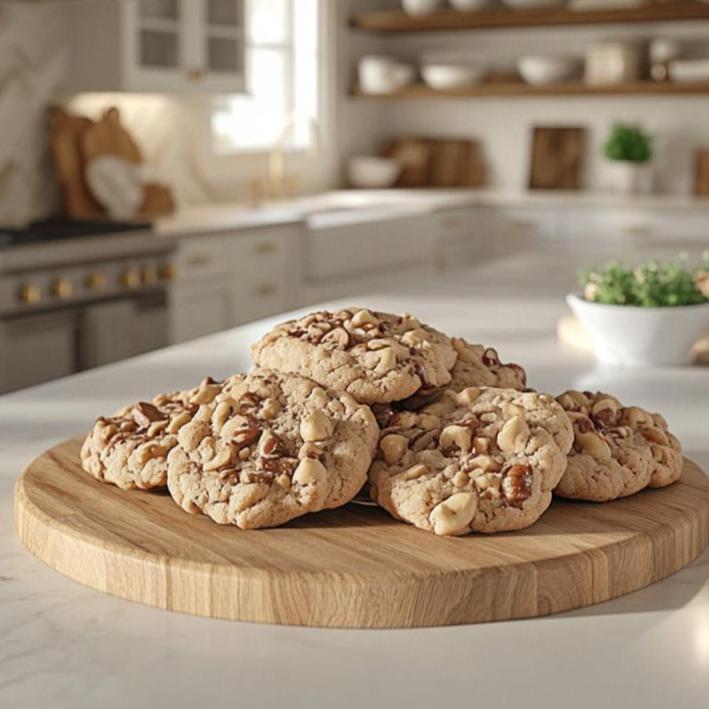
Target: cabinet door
x: 37, y: 348
x: 219, y: 45
x: 200, y: 308
x: 156, y: 45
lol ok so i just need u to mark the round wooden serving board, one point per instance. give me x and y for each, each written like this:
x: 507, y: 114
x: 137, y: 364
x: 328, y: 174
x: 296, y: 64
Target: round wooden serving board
x: 353, y: 567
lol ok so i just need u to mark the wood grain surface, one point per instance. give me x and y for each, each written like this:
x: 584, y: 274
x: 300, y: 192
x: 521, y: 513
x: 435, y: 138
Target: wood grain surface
x: 354, y: 567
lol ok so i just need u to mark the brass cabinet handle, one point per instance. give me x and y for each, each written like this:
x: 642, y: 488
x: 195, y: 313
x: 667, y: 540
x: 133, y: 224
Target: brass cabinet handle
x: 267, y: 247
x: 266, y: 289
x: 198, y: 260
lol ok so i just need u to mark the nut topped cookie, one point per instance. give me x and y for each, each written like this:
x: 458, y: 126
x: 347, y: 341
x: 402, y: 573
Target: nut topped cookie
x: 269, y: 447
x: 482, y: 459
x: 476, y: 366
x: 129, y: 449
x: 376, y: 357
x: 617, y: 450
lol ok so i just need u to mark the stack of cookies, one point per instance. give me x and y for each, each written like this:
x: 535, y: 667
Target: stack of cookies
x: 438, y: 431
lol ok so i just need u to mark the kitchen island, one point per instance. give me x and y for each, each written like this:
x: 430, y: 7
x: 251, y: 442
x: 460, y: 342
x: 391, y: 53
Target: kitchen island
x: 64, y: 645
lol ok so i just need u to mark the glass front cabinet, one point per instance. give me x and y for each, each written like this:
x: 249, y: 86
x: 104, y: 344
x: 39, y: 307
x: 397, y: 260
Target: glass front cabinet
x: 159, y: 46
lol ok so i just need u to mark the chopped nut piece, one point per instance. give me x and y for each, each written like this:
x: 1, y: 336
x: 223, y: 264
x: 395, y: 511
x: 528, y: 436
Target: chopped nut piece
x: 416, y: 471
x: 222, y: 458
x: 362, y: 318
x: 456, y: 437
x: 468, y: 396
x: 595, y: 446
x: 144, y: 413
x: 393, y: 447
x: 517, y: 482
x: 514, y: 435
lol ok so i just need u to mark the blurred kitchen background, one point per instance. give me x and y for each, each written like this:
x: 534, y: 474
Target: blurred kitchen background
x: 173, y: 168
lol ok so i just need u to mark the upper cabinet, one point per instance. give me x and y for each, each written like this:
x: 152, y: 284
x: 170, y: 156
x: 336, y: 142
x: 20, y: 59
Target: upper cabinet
x: 159, y: 46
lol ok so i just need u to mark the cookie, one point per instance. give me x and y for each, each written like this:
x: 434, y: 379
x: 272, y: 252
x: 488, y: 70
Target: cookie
x: 129, y: 449
x: 617, y: 450
x: 478, y: 366
x: 376, y: 357
x: 483, y: 460
x: 269, y: 447
x: 475, y: 366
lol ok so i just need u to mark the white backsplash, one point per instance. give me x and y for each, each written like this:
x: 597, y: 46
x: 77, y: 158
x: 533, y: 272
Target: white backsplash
x: 33, y: 60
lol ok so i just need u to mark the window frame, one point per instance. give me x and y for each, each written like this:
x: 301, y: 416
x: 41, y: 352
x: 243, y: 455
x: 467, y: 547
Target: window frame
x: 288, y: 47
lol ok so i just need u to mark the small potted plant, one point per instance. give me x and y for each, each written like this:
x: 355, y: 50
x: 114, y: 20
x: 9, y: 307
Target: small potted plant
x: 646, y: 316
x: 629, y: 150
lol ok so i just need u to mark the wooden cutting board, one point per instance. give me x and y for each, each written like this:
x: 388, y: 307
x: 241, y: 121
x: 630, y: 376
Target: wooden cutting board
x: 354, y: 567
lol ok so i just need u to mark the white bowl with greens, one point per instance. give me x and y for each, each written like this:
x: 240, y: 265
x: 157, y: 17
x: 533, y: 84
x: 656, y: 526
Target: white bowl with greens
x: 648, y: 316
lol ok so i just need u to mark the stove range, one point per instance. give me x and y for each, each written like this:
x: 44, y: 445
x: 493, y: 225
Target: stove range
x: 56, y: 228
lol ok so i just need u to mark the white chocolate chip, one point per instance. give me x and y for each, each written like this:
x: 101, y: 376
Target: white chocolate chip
x: 454, y: 514
x: 514, y: 435
x: 310, y: 470
x: 393, y: 447
x: 459, y: 436
x: 316, y: 426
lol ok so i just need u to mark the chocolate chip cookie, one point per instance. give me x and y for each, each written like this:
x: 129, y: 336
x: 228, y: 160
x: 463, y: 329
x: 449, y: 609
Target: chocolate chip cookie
x: 129, y: 449
x: 269, y: 447
x: 376, y: 357
x: 617, y: 450
x: 482, y: 459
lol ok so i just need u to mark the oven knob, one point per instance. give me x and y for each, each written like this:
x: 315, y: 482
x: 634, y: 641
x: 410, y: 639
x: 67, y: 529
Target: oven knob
x: 30, y: 294
x: 149, y: 275
x: 167, y: 272
x: 62, y: 288
x: 129, y: 278
x: 95, y: 280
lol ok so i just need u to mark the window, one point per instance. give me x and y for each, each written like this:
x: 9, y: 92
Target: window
x: 282, y: 46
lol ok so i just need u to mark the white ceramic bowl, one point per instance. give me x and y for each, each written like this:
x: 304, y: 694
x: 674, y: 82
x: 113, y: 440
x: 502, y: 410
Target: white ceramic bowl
x: 529, y: 4
x: 546, y: 70
x: 420, y: 7
x: 683, y: 70
x: 452, y: 76
x: 633, y: 336
x: 468, y: 5
x: 372, y: 172
x: 381, y: 74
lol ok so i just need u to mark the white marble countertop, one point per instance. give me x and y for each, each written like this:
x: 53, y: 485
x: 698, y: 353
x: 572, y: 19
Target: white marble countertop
x: 63, y: 645
x: 350, y: 204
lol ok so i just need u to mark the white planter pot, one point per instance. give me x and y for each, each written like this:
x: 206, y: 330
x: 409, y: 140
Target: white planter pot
x: 634, y: 336
x: 630, y: 178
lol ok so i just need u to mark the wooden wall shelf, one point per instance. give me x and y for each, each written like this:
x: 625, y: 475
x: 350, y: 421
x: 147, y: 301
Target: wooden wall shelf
x: 637, y: 88
x: 399, y: 21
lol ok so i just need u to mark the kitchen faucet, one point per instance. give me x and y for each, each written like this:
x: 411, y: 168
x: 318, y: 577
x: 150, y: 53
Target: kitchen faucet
x: 280, y: 185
